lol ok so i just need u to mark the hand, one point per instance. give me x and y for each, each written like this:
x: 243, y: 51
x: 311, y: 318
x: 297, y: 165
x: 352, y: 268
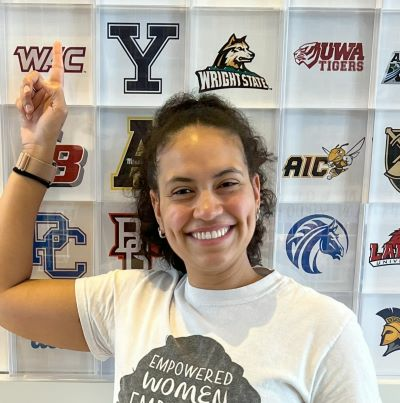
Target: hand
x: 42, y: 108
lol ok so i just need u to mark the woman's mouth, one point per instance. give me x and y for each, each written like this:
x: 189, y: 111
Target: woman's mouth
x: 215, y: 234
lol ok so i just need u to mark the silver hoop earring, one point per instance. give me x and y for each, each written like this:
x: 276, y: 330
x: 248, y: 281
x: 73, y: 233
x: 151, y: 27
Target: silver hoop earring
x: 257, y: 214
x: 160, y: 233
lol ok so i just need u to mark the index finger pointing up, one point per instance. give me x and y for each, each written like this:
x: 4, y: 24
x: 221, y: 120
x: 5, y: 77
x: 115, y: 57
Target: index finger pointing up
x: 57, y: 68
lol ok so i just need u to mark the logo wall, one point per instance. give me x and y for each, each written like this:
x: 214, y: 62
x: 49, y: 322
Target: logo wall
x: 314, y: 235
x: 142, y: 59
x: 331, y: 56
x: 392, y: 157
x: 229, y: 68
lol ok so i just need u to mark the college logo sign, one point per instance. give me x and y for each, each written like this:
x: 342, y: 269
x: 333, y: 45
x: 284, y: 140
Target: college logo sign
x: 41, y: 58
x: 52, y: 234
x: 392, y: 74
x: 229, y: 68
x: 314, y: 235
x: 331, y: 56
x: 392, y: 157
x: 138, y: 128
x: 127, y: 243
x: 70, y: 160
x: 390, y: 254
x: 390, y: 336
x: 142, y: 59
x: 336, y: 161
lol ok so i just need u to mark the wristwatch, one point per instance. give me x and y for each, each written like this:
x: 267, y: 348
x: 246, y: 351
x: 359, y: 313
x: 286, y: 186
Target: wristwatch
x: 36, y: 168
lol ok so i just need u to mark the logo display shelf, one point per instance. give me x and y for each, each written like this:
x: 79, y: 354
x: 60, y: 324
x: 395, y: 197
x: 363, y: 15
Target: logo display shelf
x: 318, y: 79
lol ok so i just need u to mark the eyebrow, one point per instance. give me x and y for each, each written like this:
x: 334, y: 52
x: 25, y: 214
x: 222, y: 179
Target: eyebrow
x: 216, y: 176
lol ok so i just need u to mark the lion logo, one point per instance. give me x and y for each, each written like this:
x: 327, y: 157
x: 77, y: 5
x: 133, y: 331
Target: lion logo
x: 308, y: 54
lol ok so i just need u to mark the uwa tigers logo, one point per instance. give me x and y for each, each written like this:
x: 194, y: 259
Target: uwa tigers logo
x: 331, y: 56
x: 312, y: 235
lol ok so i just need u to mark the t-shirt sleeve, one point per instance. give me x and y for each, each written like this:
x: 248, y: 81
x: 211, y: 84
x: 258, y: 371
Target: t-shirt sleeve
x: 347, y: 374
x: 95, y: 302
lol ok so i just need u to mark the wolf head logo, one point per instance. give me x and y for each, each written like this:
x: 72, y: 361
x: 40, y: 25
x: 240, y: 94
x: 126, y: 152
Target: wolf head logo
x: 235, y: 53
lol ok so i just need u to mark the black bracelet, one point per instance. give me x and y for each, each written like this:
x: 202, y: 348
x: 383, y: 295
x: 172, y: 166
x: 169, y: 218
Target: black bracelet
x: 34, y: 177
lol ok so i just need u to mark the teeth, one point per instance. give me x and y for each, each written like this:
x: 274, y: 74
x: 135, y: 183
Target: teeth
x: 211, y: 234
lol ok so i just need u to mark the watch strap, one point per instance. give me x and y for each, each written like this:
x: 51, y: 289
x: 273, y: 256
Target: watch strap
x: 36, y: 167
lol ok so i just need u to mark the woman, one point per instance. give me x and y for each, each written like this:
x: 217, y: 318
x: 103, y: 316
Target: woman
x: 227, y: 331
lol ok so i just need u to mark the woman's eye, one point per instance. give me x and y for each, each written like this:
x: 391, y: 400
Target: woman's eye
x: 182, y: 191
x: 228, y: 184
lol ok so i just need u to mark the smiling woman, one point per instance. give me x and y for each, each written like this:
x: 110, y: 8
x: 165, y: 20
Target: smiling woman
x: 212, y: 325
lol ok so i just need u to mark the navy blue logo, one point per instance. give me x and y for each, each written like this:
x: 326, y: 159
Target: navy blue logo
x: 392, y: 73
x: 57, y: 235
x: 312, y: 235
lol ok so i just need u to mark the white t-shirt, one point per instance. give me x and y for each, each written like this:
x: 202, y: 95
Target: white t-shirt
x: 271, y: 341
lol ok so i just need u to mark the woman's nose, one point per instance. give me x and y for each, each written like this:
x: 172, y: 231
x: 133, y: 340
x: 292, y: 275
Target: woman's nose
x: 208, y: 206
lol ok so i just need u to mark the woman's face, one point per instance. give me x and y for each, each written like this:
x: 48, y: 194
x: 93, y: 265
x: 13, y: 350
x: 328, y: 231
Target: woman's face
x: 206, y: 203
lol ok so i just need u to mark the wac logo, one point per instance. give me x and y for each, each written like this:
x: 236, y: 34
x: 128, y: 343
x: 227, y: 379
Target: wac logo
x: 331, y: 56
x: 137, y: 131
x: 70, y: 160
x: 229, y: 68
x: 390, y: 254
x: 392, y: 74
x: 127, y: 243
x: 314, y: 235
x: 142, y: 59
x: 40, y: 58
x: 52, y: 234
x: 390, y: 336
x: 336, y: 161
x: 392, y: 157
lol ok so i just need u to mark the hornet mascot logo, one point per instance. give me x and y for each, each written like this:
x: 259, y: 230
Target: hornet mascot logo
x: 312, y: 235
x: 391, y: 331
x: 339, y: 159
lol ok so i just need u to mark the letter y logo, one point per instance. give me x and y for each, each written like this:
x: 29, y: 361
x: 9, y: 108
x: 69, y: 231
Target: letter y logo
x: 159, y: 34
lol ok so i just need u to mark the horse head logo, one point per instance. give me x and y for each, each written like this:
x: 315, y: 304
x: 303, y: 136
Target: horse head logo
x: 312, y: 235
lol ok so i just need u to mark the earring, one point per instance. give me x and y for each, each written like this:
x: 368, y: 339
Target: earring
x: 160, y: 233
x: 257, y: 214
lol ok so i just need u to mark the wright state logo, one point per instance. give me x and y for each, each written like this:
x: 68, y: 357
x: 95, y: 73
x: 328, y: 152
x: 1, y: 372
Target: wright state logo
x: 392, y: 157
x: 229, y: 68
x: 314, y: 235
x: 392, y: 74
x: 390, y: 336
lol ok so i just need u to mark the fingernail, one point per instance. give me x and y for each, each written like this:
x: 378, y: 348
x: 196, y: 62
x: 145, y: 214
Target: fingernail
x: 28, y: 108
x: 26, y: 89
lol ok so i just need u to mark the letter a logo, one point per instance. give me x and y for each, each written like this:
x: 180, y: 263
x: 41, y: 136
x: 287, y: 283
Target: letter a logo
x: 143, y: 60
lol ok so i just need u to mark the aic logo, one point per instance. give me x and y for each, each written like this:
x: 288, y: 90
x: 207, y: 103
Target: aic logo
x: 312, y: 235
x: 390, y: 254
x: 52, y: 235
x: 331, y: 56
x: 142, y: 59
x: 392, y: 74
x: 336, y: 161
x: 127, y: 243
x: 137, y: 130
x: 40, y: 58
x: 229, y: 68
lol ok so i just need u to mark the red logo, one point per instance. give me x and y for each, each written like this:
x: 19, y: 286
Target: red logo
x: 331, y: 56
x: 390, y: 254
x: 40, y: 59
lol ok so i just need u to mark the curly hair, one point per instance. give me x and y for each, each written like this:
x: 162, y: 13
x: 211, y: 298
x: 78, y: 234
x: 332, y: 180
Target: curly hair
x: 178, y: 112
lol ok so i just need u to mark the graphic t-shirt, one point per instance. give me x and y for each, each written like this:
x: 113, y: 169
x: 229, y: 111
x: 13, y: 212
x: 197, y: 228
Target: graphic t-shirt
x: 270, y: 341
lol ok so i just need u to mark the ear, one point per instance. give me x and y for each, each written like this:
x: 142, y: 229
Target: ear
x: 232, y: 39
x: 255, y: 182
x: 155, y: 202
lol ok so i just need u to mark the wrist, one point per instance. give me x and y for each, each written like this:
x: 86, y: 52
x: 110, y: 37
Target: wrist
x: 40, y: 152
